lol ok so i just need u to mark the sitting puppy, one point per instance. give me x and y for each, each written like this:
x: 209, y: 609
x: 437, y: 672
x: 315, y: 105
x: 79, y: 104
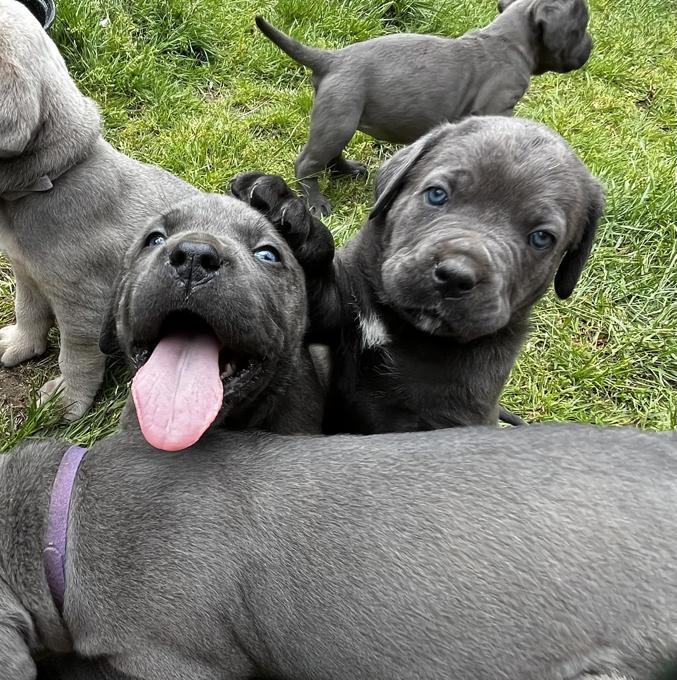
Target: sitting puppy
x: 539, y: 553
x: 210, y: 310
x: 398, y: 87
x: 69, y: 207
x: 426, y: 308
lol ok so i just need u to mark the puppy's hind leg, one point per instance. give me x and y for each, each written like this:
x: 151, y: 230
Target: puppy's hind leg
x: 82, y: 368
x: 27, y: 338
x: 343, y: 167
x: 335, y: 117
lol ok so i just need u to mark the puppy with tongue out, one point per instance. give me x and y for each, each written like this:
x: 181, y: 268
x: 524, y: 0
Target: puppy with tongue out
x: 210, y: 311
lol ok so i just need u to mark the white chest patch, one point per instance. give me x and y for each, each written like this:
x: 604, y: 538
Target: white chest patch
x: 374, y: 332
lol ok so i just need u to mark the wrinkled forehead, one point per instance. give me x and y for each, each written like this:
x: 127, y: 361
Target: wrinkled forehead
x: 507, y: 166
x: 220, y: 216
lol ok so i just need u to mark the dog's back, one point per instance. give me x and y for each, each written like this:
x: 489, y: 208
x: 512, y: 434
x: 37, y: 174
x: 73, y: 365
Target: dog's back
x: 541, y: 553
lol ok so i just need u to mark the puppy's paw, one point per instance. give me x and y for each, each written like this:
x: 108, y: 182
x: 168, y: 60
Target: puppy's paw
x: 261, y: 191
x: 319, y: 205
x: 16, y: 346
x: 311, y: 241
x: 75, y: 406
x: 346, y: 168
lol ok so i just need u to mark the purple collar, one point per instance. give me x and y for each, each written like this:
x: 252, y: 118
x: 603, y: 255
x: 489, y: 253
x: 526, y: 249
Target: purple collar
x: 54, y: 552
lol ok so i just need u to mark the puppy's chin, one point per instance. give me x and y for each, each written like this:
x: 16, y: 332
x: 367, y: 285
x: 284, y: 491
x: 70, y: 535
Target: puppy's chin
x: 459, y: 320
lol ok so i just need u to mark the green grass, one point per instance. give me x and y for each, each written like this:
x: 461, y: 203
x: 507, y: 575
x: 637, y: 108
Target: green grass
x: 190, y: 85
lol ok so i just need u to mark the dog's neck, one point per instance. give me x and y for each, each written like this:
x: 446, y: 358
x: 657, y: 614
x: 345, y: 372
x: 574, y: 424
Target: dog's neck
x: 62, y: 142
x: 26, y: 478
x: 513, y: 30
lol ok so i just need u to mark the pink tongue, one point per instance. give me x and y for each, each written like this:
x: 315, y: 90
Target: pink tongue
x: 178, y: 391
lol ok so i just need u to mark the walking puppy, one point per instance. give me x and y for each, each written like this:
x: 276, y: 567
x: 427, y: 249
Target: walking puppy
x: 211, y: 312
x: 539, y: 553
x: 69, y: 207
x: 426, y: 308
x: 398, y: 87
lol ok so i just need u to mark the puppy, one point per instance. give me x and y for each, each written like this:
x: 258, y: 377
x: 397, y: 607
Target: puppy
x: 398, y: 87
x: 210, y: 311
x: 426, y: 308
x: 539, y: 553
x: 69, y: 207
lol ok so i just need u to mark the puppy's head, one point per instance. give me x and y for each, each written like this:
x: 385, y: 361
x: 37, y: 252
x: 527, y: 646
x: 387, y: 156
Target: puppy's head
x: 43, y: 116
x: 210, y: 310
x: 559, y: 27
x: 476, y: 219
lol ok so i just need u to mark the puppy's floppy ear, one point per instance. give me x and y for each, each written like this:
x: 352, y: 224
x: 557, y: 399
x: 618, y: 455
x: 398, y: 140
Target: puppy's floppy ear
x: 574, y: 259
x: 503, y: 5
x: 20, y: 109
x: 393, y: 173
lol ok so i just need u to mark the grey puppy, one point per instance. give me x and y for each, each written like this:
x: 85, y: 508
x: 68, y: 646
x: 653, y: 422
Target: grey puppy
x: 69, y: 207
x: 426, y: 308
x: 398, y: 87
x: 540, y: 553
x: 210, y: 310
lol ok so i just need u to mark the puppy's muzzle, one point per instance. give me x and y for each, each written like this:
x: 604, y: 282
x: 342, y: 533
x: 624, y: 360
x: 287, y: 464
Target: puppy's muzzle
x: 455, y: 277
x: 195, y: 263
x: 459, y: 265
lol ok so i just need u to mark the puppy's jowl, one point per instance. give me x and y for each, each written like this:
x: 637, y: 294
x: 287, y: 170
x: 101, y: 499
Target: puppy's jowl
x: 398, y: 87
x: 69, y: 207
x: 426, y: 308
x: 210, y: 311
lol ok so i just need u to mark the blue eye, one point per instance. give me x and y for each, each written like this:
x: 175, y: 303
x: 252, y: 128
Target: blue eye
x: 435, y: 196
x: 267, y: 254
x: 155, y: 239
x: 540, y: 239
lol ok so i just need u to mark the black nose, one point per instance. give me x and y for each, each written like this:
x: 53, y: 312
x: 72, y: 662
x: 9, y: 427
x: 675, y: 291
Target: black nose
x: 453, y: 279
x: 195, y: 262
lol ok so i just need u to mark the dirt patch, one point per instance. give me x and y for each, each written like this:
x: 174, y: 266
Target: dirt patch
x: 16, y: 385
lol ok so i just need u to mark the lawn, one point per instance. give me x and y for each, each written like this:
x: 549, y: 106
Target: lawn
x: 191, y: 86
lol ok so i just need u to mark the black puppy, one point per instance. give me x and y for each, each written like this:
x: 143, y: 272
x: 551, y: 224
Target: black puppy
x: 426, y: 308
x: 210, y: 310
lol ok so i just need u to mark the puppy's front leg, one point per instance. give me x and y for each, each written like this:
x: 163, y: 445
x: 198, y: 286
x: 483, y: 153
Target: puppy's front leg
x: 16, y: 662
x: 27, y: 338
x: 82, y: 368
x: 15, y: 658
x: 307, y: 236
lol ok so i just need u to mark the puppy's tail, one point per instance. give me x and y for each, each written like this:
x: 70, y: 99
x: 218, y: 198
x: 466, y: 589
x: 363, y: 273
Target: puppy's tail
x: 312, y: 57
x: 509, y: 417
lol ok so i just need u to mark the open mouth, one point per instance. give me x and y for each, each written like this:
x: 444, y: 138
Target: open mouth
x: 232, y: 362
x: 184, y: 376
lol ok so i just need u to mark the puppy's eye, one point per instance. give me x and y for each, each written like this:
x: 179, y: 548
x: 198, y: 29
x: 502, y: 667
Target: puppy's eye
x: 154, y: 239
x: 435, y: 196
x: 540, y: 239
x: 267, y: 254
